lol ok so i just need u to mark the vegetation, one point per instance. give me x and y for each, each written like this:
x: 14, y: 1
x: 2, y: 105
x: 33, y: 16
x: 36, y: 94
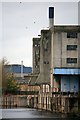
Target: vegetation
x: 8, y: 81
x: 5, y: 74
x: 0, y: 78
x: 11, y: 85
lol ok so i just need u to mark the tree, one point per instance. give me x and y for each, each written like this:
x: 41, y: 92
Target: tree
x: 0, y: 78
x: 8, y: 81
x: 5, y: 74
x: 11, y: 85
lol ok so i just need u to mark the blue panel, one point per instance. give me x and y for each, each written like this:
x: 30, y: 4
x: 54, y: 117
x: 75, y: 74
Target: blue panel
x: 74, y: 84
x: 68, y: 71
x: 69, y: 84
x: 17, y: 69
x: 65, y: 84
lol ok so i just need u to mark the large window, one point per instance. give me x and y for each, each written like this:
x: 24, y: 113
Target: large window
x: 71, y: 47
x: 71, y: 35
x: 71, y: 60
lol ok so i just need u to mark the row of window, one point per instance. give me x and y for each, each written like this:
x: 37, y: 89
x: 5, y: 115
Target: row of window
x: 72, y: 47
x: 68, y: 60
x: 69, y: 47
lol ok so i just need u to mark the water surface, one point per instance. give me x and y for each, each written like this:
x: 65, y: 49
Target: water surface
x: 30, y: 113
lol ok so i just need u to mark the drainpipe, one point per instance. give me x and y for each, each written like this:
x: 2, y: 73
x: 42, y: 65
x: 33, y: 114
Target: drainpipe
x: 51, y: 24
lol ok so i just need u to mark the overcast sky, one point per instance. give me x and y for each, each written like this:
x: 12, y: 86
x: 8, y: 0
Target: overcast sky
x: 21, y: 21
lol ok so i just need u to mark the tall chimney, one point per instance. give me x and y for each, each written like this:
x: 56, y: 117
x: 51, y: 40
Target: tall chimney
x: 51, y: 16
x: 22, y: 69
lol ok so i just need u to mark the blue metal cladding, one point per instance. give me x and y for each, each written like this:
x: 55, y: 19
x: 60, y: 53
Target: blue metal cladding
x: 17, y: 69
x: 51, y: 12
x: 64, y: 84
x: 66, y: 71
x: 69, y: 84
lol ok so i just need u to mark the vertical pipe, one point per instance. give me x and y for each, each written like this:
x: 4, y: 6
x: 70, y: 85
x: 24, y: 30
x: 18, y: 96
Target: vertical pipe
x: 51, y: 24
x: 52, y: 63
x: 21, y: 69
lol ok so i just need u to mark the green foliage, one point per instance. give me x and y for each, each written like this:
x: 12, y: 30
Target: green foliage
x: 11, y: 84
x: 8, y: 81
x: 5, y: 74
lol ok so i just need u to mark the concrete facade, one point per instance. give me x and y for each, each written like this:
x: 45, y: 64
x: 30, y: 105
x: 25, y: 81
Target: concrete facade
x: 66, y: 67
x: 60, y: 42
x: 59, y: 68
x: 43, y: 79
x: 36, y: 55
x: 45, y: 56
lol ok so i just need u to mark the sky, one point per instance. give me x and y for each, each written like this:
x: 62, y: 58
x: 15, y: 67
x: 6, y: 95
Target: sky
x: 22, y: 21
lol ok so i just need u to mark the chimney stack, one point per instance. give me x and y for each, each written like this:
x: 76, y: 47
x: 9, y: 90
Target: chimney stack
x: 51, y: 16
x: 22, y: 69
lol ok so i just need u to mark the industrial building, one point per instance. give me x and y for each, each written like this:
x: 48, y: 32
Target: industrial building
x: 56, y: 60
x: 56, y: 69
x: 18, y: 70
x: 66, y: 67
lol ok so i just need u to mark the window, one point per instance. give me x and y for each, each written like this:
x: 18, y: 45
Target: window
x: 45, y: 49
x: 37, y: 45
x: 71, y: 35
x: 71, y: 47
x: 47, y: 88
x: 43, y: 88
x: 46, y: 62
x: 43, y: 101
x: 45, y: 44
x: 71, y: 60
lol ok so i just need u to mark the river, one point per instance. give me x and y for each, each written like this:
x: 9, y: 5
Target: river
x: 27, y: 113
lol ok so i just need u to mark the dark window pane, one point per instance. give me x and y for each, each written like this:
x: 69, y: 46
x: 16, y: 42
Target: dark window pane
x: 46, y: 62
x: 71, y: 35
x: 71, y: 47
x: 71, y: 60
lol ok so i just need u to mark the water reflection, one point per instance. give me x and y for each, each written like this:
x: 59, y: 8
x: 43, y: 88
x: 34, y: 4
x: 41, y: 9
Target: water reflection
x: 26, y: 113
x: 29, y: 113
